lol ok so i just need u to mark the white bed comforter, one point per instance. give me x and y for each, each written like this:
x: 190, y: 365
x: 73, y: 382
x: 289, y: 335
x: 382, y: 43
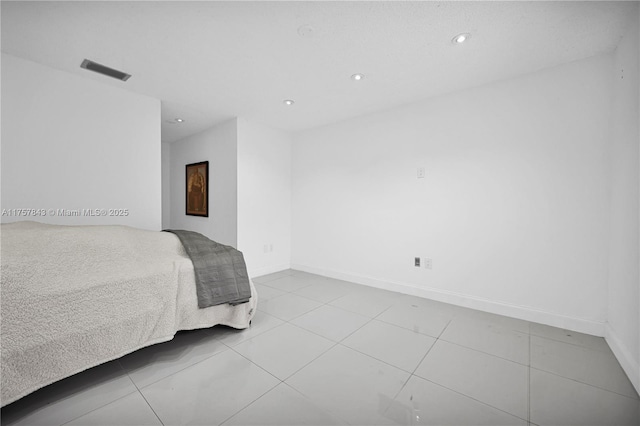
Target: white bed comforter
x: 73, y: 297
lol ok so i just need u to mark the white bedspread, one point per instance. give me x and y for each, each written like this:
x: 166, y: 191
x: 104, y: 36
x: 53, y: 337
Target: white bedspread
x: 73, y: 297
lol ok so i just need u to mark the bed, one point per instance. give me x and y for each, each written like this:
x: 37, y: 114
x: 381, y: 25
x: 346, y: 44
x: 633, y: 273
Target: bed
x: 73, y: 297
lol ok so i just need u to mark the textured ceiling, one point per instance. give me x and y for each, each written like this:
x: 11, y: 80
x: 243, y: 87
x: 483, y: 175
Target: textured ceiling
x: 211, y: 61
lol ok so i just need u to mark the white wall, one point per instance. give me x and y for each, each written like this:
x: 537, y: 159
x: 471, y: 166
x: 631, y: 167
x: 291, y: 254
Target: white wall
x: 73, y: 143
x: 264, y: 197
x: 514, y: 208
x: 217, y: 145
x: 623, y: 331
x: 166, y: 185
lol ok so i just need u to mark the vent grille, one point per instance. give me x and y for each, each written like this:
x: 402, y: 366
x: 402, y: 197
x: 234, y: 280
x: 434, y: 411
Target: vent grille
x: 101, y: 69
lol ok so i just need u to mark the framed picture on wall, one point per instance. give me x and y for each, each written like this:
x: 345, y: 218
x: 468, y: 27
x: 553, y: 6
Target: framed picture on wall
x: 197, y: 189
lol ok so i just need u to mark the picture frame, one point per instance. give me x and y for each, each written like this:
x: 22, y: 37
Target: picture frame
x: 197, y: 189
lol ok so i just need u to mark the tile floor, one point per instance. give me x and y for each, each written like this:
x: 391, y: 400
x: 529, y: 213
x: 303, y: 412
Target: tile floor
x: 323, y: 352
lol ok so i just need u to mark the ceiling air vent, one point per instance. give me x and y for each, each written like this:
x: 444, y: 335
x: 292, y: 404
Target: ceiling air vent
x: 94, y: 66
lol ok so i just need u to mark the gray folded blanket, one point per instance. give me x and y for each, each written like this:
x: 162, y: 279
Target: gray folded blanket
x: 221, y: 274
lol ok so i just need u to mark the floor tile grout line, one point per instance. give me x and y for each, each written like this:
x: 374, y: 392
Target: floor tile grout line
x: 377, y: 359
x: 243, y: 408
x: 289, y: 321
x: 308, y: 363
x: 485, y: 353
x: 263, y: 369
x: 470, y: 397
x: 345, y: 310
x: 444, y: 329
x: 301, y: 288
x: 319, y: 301
x: 137, y: 390
x: 246, y: 406
x: 141, y: 394
x: 355, y: 331
x: 370, y: 319
x: 573, y: 344
x: 117, y: 399
x: 383, y: 311
x: 453, y: 390
x: 320, y: 335
x: 404, y: 385
x: 282, y: 383
x: 325, y: 304
x: 406, y: 328
x: 182, y: 369
x: 324, y: 352
x: 259, y: 333
x: 149, y: 404
x: 274, y: 278
x: 268, y: 281
x: 283, y: 290
x: 102, y: 406
x: 295, y: 293
x: 493, y: 323
x: 384, y: 362
x: 439, y: 339
x: 317, y: 405
x: 301, y: 328
x: 412, y: 374
x: 431, y: 347
x: 260, y: 367
x: 585, y: 383
x: 298, y: 316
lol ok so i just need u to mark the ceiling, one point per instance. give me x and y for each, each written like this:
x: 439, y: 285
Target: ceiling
x: 211, y: 61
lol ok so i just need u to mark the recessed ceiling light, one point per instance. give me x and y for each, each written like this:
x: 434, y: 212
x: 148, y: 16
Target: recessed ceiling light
x: 461, y: 38
x: 288, y: 102
x: 179, y: 120
x: 357, y: 77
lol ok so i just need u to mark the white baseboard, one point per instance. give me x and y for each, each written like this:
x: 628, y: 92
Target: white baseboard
x: 622, y: 353
x: 493, y: 306
x: 257, y: 272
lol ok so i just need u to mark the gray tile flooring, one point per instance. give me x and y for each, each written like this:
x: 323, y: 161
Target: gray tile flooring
x: 322, y: 351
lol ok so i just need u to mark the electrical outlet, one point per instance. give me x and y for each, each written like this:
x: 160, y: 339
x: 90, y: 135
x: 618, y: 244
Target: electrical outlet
x: 416, y: 262
x: 420, y: 172
x: 428, y: 263
x: 270, y: 248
